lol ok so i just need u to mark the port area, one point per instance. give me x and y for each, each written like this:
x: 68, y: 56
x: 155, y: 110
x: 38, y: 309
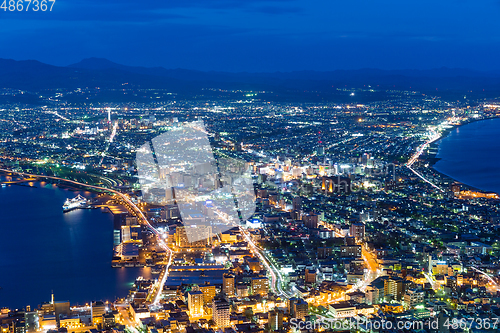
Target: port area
x: 134, y: 245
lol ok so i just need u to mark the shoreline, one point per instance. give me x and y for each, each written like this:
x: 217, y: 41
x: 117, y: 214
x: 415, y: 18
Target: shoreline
x: 433, y: 159
x: 61, y: 183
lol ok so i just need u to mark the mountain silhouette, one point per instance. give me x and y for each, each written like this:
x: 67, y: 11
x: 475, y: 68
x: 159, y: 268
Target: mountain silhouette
x: 98, y: 72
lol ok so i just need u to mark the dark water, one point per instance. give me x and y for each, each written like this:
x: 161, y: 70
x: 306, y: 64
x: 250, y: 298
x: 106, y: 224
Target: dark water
x: 43, y: 249
x: 471, y: 155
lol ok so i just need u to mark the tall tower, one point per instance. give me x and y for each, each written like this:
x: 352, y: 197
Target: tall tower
x: 109, y: 115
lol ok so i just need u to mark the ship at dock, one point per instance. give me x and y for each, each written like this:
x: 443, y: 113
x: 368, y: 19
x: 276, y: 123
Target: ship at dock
x: 75, y: 203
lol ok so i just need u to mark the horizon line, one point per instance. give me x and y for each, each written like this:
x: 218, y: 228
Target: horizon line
x: 263, y: 72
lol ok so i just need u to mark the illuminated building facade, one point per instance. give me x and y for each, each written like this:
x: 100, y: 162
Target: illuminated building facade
x: 208, y: 292
x: 275, y: 320
x: 228, y: 284
x: 220, y: 312
x: 195, y: 303
x: 260, y: 285
x: 335, y: 185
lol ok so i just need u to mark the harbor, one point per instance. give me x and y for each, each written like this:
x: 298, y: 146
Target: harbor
x: 75, y: 244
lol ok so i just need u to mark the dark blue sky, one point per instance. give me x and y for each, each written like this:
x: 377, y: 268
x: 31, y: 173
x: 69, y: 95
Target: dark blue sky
x: 260, y: 35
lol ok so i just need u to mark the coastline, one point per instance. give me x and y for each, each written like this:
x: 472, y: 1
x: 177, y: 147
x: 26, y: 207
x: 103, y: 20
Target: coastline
x: 433, y: 159
x: 61, y: 183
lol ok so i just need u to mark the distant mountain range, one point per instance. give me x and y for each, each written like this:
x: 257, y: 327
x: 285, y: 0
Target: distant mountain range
x: 97, y: 72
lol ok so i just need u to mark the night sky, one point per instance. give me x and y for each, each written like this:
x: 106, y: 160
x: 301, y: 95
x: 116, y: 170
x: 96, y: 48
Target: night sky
x: 260, y: 35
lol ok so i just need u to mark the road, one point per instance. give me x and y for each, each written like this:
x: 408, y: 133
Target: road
x: 19, y: 181
x: 277, y: 280
x: 493, y: 282
x: 127, y: 321
x: 435, y: 136
x: 110, y: 141
x: 374, y: 270
x: 430, y: 279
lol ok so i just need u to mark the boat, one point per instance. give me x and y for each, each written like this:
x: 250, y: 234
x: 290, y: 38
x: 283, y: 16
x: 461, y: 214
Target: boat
x: 77, y: 202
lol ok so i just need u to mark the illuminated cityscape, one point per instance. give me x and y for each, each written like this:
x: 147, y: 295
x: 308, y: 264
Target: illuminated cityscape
x: 351, y: 221
x: 227, y: 166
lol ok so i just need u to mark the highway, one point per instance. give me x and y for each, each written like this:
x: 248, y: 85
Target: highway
x: 435, y: 136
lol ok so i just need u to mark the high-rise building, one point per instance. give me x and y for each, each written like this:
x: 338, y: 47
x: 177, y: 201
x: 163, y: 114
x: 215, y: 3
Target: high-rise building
x: 310, y: 275
x: 195, y: 303
x: 394, y: 287
x: 298, y: 308
x: 228, y: 284
x: 413, y: 297
x: 365, y: 158
x: 297, y: 203
x: 275, y: 320
x: 98, y: 309
x: 260, y: 285
x: 220, y: 312
x: 301, y: 309
x: 311, y: 220
x: 208, y: 291
x: 357, y: 230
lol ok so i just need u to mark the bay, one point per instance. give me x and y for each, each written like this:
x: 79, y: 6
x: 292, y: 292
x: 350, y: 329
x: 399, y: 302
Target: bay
x: 471, y: 155
x: 43, y: 249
